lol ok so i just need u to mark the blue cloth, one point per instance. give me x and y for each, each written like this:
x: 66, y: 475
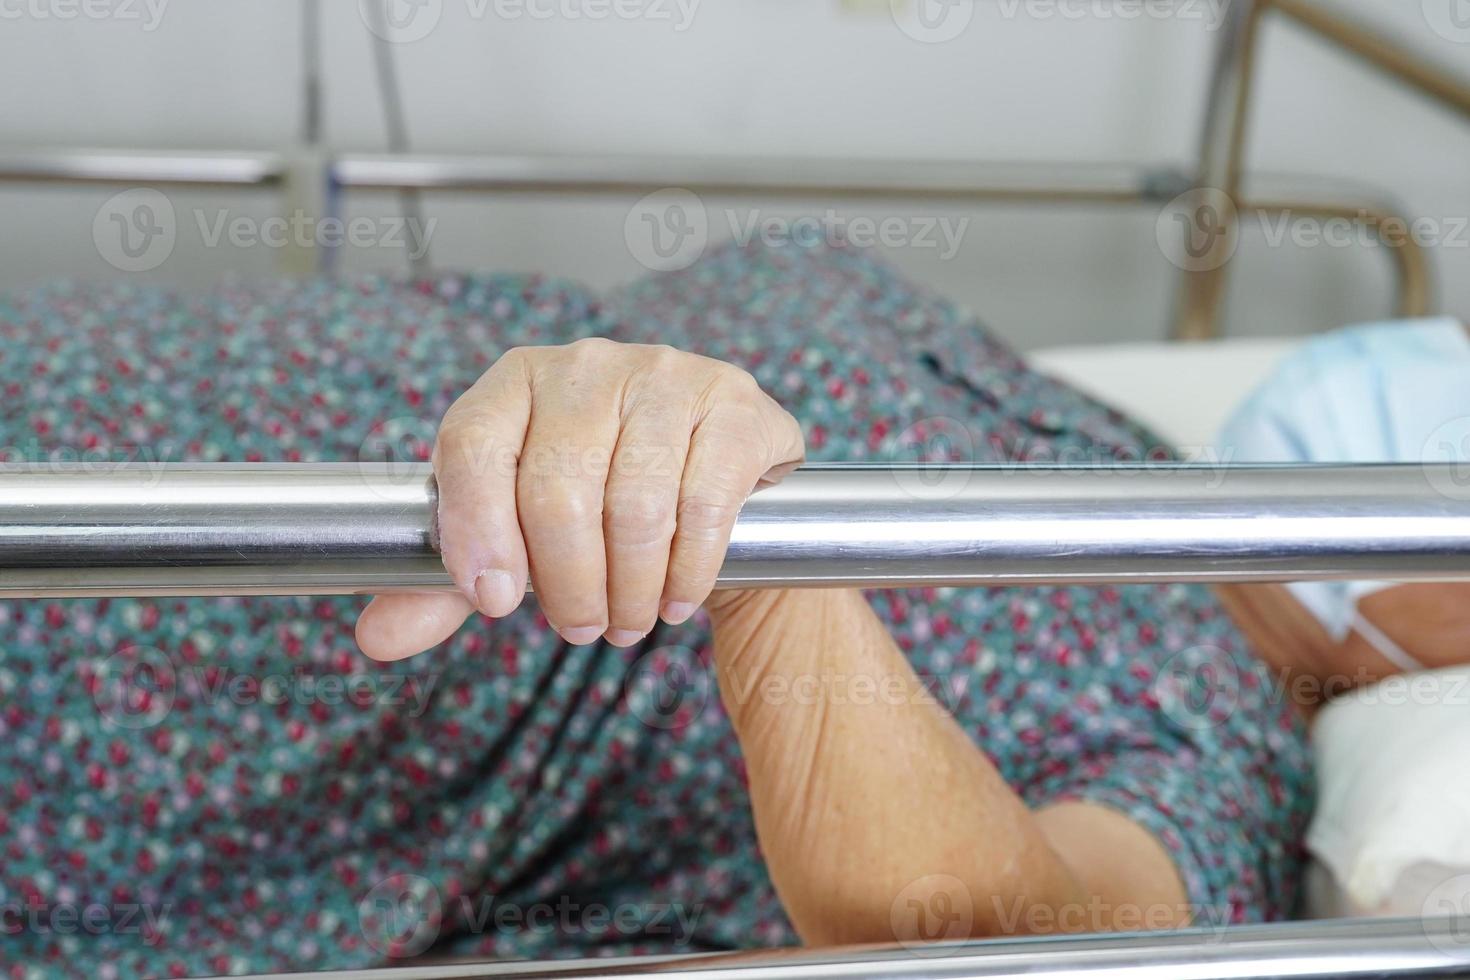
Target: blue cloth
x: 1396, y: 392
x: 1379, y: 393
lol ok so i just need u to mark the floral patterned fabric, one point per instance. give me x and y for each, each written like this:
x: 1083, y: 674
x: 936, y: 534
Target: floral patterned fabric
x: 211, y: 786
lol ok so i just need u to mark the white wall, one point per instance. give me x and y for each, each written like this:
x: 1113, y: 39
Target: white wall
x: 752, y: 77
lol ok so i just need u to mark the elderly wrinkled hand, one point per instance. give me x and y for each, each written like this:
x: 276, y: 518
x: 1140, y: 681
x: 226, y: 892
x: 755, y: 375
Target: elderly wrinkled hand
x: 608, y: 474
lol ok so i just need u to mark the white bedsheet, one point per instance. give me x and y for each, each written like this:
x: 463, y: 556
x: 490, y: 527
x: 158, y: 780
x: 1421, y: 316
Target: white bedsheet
x: 1184, y: 392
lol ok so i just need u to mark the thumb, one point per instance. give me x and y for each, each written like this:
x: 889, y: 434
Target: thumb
x: 393, y: 627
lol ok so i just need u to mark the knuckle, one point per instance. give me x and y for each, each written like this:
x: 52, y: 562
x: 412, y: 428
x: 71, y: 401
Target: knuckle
x: 706, y: 514
x: 778, y: 412
x: 638, y: 515
x: 665, y: 354
x: 673, y: 360
x: 770, y: 431
x: 793, y: 430
x: 467, y: 408
x: 663, y: 363
x: 744, y: 430
x: 559, y: 505
x: 471, y: 444
x: 769, y: 434
x: 740, y: 382
x: 591, y: 349
x: 514, y: 357
x: 462, y: 423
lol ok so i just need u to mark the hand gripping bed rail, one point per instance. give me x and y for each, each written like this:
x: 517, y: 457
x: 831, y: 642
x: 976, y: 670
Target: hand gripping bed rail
x: 348, y: 528
x: 1393, y: 948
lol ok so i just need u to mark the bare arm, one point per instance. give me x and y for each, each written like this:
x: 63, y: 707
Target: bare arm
x: 879, y: 819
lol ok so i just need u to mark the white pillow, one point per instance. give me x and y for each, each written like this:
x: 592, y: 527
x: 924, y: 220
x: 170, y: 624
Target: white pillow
x: 1392, y: 828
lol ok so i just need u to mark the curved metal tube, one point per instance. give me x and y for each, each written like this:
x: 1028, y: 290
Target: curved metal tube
x: 1413, y: 275
x: 276, y: 529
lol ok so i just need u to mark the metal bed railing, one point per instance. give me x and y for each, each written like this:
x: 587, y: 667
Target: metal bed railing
x: 1432, y: 947
x: 1219, y: 166
x: 201, y: 529
x: 56, y: 165
x: 227, y: 529
x: 763, y: 176
x: 1227, y: 120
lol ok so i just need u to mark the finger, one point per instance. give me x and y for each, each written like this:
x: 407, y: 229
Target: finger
x: 721, y: 472
x: 475, y: 462
x: 559, y: 495
x: 638, y: 519
x: 393, y: 627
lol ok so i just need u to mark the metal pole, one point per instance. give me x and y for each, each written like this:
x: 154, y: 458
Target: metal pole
x: 395, y: 122
x: 1222, y: 151
x: 1413, y: 275
x: 1376, y: 948
x: 1100, y: 184
x: 147, y: 168
x: 1399, y: 61
x: 361, y: 528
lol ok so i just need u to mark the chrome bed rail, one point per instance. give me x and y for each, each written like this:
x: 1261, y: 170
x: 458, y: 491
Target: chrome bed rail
x: 349, y: 528
x: 154, y: 168
x: 1398, y: 948
x: 762, y: 176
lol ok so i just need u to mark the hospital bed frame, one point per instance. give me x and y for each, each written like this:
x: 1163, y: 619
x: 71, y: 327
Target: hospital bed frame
x: 1227, y: 118
x: 1220, y: 165
x: 229, y: 529
x: 269, y: 529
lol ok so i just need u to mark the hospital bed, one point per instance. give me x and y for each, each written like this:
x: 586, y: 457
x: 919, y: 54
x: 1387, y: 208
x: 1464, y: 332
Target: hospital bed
x: 230, y: 529
x: 324, y: 530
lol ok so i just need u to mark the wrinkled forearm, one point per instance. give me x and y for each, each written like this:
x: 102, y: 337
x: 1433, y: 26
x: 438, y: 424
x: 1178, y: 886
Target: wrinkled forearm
x: 871, y: 804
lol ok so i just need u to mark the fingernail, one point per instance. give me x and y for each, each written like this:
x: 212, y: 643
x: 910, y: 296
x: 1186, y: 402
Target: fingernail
x: 582, y: 635
x: 624, y: 638
x: 496, y: 593
x: 675, y: 613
